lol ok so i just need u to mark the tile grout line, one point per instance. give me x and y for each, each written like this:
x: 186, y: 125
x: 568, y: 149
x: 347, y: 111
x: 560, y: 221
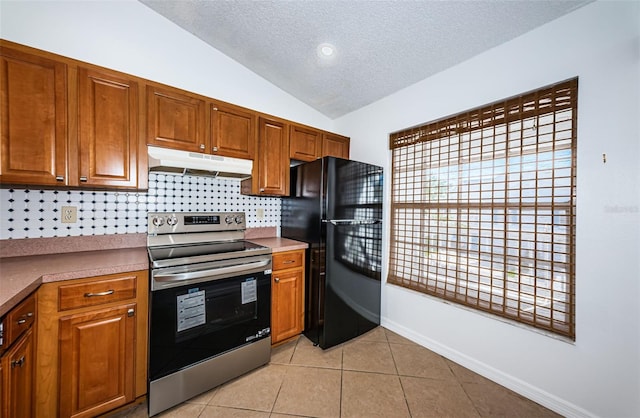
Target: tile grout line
x: 395, y: 364
x: 287, y: 368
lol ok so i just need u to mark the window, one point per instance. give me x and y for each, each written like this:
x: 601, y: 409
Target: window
x: 483, y: 208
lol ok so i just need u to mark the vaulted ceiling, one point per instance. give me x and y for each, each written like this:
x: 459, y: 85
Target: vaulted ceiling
x: 379, y: 47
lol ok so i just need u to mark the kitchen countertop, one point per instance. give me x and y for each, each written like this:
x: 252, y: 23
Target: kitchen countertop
x: 22, y: 270
x: 19, y: 276
x: 279, y: 244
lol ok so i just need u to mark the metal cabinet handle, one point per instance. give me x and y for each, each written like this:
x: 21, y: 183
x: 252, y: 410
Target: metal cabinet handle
x: 83, y: 179
x: 277, y: 280
x: 18, y: 363
x: 288, y: 261
x: 201, y: 146
x: 59, y: 178
x: 24, y: 317
x: 215, y: 149
x: 108, y: 292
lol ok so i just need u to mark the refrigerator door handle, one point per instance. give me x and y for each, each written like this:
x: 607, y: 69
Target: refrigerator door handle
x: 352, y: 221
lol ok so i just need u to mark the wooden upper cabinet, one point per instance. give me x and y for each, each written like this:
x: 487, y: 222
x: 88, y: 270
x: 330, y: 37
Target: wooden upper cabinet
x: 305, y: 143
x: 233, y: 131
x: 335, y: 145
x: 108, y: 113
x: 270, y: 175
x: 176, y: 120
x: 33, y: 125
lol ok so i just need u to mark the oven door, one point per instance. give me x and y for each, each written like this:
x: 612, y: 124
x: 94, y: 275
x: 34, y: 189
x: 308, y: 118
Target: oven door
x: 195, y: 319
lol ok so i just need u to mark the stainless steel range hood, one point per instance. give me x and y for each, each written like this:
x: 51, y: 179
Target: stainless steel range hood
x: 172, y: 161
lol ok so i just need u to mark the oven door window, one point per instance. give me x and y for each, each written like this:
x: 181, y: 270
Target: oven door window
x: 195, y: 322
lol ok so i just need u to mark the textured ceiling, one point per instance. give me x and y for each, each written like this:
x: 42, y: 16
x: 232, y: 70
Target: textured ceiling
x: 381, y: 46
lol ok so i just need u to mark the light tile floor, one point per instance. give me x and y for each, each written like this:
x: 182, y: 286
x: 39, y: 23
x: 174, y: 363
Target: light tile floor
x: 379, y: 374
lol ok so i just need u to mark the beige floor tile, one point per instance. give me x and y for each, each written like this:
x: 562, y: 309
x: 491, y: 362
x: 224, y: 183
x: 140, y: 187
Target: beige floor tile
x: 376, y: 334
x: 392, y: 337
x: 256, y: 390
x: 282, y: 354
x: 372, y: 395
x: 307, y: 355
x: 436, y: 398
x: 204, y: 398
x: 310, y: 391
x: 465, y: 375
x: 368, y: 356
x: 417, y: 361
x: 183, y: 410
x: 222, y: 412
x: 285, y: 416
x: 493, y: 400
x: 135, y: 411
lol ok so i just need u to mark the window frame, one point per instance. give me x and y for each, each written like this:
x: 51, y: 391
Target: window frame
x: 542, y: 198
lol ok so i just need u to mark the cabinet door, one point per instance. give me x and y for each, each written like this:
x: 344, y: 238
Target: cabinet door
x: 175, y: 120
x: 305, y: 144
x: 273, y: 158
x: 97, y: 351
x: 108, y: 129
x: 33, y: 124
x: 17, y: 369
x: 335, y: 146
x: 286, y: 305
x: 233, y: 132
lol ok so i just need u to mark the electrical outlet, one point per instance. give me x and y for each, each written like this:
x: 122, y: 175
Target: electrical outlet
x: 260, y: 214
x: 69, y: 214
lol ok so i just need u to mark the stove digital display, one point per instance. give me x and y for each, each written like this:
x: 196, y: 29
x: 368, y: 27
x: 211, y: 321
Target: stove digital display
x: 202, y: 220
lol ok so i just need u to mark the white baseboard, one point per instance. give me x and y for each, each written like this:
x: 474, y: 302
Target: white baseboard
x: 534, y: 393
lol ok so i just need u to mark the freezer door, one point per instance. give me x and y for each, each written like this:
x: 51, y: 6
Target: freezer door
x: 353, y: 190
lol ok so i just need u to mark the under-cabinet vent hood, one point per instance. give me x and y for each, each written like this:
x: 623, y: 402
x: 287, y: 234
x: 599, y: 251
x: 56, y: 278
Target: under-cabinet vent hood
x: 172, y: 161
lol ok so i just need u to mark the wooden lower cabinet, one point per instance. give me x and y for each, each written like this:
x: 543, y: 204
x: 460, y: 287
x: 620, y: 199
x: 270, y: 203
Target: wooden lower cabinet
x: 92, y: 344
x: 287, y: 295
x: 97, y: 352
x: 17, y: 378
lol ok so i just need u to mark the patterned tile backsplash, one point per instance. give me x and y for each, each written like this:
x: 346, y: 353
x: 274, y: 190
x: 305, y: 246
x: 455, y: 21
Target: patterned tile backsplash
x: 35, y: 213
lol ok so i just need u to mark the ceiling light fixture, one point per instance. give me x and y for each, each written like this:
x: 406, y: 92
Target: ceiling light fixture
x: 326, y: 50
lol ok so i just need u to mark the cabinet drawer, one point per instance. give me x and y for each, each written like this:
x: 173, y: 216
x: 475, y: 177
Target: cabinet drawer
x: 19, y: 319
x: 287, y: 260
x: 79, y: 295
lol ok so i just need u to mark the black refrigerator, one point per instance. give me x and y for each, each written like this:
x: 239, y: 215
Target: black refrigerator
x: 335, y: 206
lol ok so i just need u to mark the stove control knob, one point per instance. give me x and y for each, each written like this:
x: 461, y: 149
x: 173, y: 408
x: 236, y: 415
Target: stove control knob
x: 157, y: 221
x: 172, y: 220
x: 229, y: 220
x: 239, y: 219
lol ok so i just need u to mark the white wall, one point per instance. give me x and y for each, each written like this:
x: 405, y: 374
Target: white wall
x: 599, y: 374
x: 129, y: 37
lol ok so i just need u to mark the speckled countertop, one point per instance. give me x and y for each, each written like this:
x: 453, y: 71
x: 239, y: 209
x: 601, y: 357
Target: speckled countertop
x: 279, y: 244
x: 22, y: 271
x: 26, y: 264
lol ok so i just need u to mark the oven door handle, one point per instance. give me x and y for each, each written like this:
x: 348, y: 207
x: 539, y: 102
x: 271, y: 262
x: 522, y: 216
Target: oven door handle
x: 235, y: 268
